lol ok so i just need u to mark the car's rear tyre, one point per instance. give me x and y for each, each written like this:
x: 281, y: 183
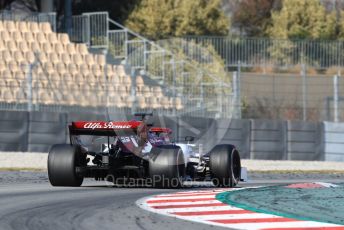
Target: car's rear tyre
x: 225, y: 165
x: 62, y: 162
x: 167, y: 167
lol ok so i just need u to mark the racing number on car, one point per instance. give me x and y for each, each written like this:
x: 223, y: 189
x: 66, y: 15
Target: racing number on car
x: 125, y: 139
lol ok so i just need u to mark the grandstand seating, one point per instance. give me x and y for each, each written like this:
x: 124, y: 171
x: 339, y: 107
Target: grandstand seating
x: 66, y: 73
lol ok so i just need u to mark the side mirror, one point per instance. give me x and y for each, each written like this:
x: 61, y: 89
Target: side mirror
x: 189, y: 138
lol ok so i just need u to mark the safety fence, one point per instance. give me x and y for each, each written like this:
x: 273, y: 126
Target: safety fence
x: 307, y: 97
x: 271, y: 52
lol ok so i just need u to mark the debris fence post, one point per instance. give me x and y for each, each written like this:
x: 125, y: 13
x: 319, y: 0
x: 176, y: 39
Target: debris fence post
x: 335, y: 98
x: 304, y: 92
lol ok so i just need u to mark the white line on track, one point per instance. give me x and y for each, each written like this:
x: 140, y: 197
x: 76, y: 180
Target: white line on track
x: 169, y: 211
x: 231, y: 216
x: 192, y: 197
x: 186, y: 203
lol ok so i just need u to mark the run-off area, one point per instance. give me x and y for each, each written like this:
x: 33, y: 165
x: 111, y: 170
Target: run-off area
x: 322, y: 202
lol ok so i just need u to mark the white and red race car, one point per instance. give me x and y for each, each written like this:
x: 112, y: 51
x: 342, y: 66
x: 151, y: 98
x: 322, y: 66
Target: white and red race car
x: 123, y: 151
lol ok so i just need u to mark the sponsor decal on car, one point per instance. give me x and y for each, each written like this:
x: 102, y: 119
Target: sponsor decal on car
x: 92, y: 125
x: 109, y: 125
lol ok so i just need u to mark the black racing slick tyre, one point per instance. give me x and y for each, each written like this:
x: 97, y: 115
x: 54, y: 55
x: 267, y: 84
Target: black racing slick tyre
x: 167, y: 167
x: 62, y: 162
x: 225, y: 165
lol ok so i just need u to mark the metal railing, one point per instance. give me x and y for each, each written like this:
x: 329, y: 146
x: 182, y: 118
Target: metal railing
x: 158, y: 62
x: 30, y: 17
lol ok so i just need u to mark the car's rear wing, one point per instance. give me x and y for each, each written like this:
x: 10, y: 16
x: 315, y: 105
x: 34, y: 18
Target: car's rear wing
x: 103, y: 128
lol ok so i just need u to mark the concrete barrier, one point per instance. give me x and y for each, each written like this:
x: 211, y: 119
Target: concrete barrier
x: 255, y: 139
x: 268, y: 140
x: 333, y: 141
x: 235, y: 132
x: 14, y: 130
x: 304, y: 141
x: 45, y: 129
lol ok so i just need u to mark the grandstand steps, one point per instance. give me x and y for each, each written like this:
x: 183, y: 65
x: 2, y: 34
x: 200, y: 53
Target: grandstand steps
x: 109, y: 58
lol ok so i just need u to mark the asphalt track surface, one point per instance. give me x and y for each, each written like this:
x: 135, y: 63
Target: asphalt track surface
x: 34, y: 204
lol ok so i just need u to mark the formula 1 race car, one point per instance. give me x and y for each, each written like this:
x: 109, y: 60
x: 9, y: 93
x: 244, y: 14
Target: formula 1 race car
x: 120, y: 151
